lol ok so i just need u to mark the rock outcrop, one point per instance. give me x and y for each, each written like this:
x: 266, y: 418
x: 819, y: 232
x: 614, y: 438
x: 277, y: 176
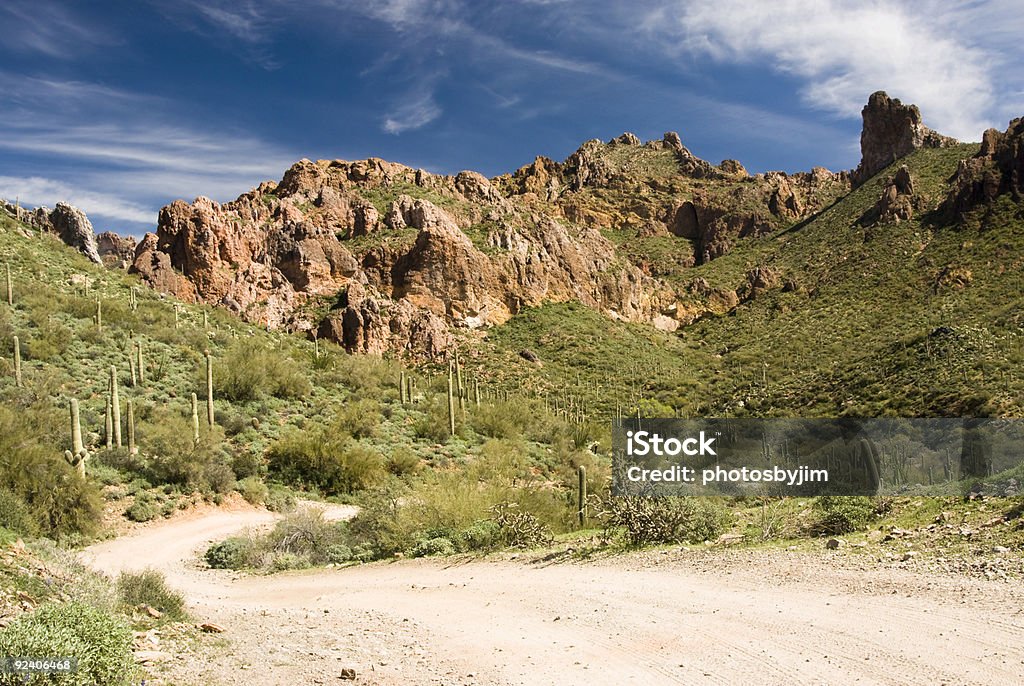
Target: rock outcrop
x: 116, y: 251
x: 891, y: 131
x: 897, y: 201
x: 399, y: 273
x: 998, y: 168
x: 68, y: 222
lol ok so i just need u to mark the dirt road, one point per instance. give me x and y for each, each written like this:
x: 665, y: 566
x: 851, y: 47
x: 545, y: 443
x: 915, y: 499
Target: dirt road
x: 678, y: 617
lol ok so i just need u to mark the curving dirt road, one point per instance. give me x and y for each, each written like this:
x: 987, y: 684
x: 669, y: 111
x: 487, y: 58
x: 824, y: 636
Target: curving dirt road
x: 679, y: 617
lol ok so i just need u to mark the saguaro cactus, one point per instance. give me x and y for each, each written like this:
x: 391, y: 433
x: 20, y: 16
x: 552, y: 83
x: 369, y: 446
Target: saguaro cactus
x: 10, y: 286
x: 138, y: 362
x: 132, y: 370
x: 108, y: 434
x: 451, y: 402
x: 98, y: 317
x: 458, y: 379
x: 209, y: 388
x: 78, y: 455
x: 581, y: 495
x: 206, y: 320
x: 116, y: 403
x: 476, y: 391
x: 195, y: 418
x: 17, y: 361
x: 131, y: 427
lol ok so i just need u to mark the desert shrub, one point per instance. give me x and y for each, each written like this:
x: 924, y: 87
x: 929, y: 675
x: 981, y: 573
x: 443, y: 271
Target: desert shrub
x: 483, y: 534
x: 144, y: 509
x: 231, y: 553
x: 647, y: 521
x: 402, y: 461
x: 433, y: 424
x: 359, y: 419
x: 838, y: 514
x: 176, y: 459
x: 246, y: 463
x: 376, y: 531
x: 433, y: 546
x: 149, y: 587
x: 282, y: 562
x: 60, y: 502
x: 253, y: 490
x: 50, y: 340
x: 338, y: 553
x: 101, y: 643
x: 332, y: 462
x: 249, y: 369
x: 15, y: 515
x: 279, y: 498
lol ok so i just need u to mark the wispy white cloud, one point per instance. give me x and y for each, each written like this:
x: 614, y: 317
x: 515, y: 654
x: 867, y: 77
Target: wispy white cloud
x: 36, y: 191
x: 921, y: 52
x: 414, y: 113
x: 88, y: 148
x: 50, y: 28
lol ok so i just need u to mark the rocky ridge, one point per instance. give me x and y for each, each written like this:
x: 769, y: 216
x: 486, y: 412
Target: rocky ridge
x: 382, y: 257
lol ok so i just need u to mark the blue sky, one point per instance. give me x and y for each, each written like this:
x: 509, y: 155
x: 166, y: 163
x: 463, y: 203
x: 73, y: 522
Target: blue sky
x: 121, y: 107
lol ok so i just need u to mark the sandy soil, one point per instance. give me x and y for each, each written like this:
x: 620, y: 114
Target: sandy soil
x: 686, y: 617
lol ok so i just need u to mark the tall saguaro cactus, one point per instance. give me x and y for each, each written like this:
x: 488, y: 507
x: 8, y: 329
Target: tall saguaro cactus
x: 131, y: 427
x: 403, y: 390
x: 138, y: 362
x: 98, y: 317
x: 116, y: 403
x: 108, y: 434
x: 78, y: 455
x: 451, y: 402
x: 17, y: 361
x: 209, y: 388
x: 458, y: 379
x: 581, y: 495
x: 195, y: 418
x: 10, y: 286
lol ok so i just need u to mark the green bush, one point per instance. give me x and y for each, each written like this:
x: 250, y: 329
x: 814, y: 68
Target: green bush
x: 249, y: 369
x: 15, y: 515
x: 150, y: 588
x: 101, y: 643
x: 176, y: 459
x: 433, y: 546
x: 332, y: 462
x: 358, y: 419
x: 647, y: 521
x: 254, y: 490
x: 339, y: 553
x: 232, y: 553
x: 402, y: 461
x: 144, y: 509
x: 842, y: 514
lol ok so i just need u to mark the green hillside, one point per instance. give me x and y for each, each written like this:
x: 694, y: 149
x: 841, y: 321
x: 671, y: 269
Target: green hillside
x: 919, y: 318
